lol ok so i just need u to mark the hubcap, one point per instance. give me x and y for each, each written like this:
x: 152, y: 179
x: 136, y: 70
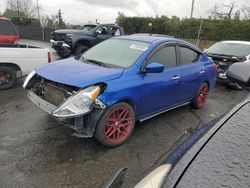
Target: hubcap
x: 203, y: 95
x: 4, y: 79
x: 118, y: 125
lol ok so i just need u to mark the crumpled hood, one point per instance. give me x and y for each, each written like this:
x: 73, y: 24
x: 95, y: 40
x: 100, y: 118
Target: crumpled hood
x: 76, y: 73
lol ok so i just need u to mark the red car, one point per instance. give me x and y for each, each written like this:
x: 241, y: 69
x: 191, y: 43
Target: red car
x: 8, y: 33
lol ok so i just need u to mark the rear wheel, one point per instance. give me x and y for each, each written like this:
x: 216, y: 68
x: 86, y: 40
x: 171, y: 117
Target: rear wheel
x: 116, y: 125
x: 201, y: 97
x: 7, y: 78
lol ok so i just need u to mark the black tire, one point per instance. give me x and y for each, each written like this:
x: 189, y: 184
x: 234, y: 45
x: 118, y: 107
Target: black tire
x: 62, y: 55
x: 80, y: 49
x: 7, y: 78
x: 103, y: 129
x: 201, y: 96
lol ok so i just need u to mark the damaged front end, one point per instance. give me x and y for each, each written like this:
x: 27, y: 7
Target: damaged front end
x: 223, y: 63
x: 78, y: 109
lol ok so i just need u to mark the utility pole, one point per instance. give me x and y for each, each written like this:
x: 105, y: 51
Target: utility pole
x: 38, y: 11
x: 192, y: 9
x: 17, y: 4
x: 199, y: 34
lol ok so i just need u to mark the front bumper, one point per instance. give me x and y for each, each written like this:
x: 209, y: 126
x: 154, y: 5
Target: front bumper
x: 55, y: 44
x: 47, y: 107
x: 84, y: 126
x: 61, y: 47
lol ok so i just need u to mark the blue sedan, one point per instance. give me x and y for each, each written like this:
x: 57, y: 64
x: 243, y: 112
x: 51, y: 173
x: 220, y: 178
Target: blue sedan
x: 120, y: 81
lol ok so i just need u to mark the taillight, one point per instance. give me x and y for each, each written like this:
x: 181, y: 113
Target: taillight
x: 215, y: 66
x: 49, y: 57
x: 16, y: 40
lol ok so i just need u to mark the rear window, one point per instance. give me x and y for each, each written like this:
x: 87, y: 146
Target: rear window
x: 6, y: 28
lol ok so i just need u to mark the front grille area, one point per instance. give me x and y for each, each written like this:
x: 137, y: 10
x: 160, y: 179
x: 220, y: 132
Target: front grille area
x: 223, y: 66
x: 53, y: 94
x: 58, y: 36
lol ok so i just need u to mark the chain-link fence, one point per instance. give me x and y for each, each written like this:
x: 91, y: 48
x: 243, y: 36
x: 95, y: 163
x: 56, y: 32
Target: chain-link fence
x: 34, y: 32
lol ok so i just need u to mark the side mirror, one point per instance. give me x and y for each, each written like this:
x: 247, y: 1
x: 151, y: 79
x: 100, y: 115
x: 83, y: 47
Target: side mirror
x: 239, y: 73
x: 154, y: 68
x: 204, y: 50
x: 98, y: 32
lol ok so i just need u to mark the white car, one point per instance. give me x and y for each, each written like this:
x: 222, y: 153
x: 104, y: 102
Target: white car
x: 225, y: 53
x: 18, y: 60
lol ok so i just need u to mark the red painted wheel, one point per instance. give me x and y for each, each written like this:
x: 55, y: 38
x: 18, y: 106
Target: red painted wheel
x: 201, y: 97
x: 7, y: 78
x: 116, y: 125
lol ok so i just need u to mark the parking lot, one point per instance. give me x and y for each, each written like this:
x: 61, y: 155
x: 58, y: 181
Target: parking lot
x: 36, y: 151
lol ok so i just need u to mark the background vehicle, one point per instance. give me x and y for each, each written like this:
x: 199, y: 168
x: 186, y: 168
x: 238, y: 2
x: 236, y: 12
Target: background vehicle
x: 121, y: 81
x: 67, y: 42
x: 240, y: 73
x: 8, y: 33
x: 18, y: 60
x: 226, y: 53
x: 217, y: 158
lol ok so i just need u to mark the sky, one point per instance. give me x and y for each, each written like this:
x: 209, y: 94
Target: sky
x: 106, y: 11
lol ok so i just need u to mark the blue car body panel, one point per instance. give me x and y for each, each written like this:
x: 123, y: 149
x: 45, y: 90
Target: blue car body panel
x: 76, y: 73
x: 148, y: 93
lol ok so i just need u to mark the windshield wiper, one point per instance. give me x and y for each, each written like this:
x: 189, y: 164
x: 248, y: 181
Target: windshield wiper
x: 100, y: 63
x: 95, y: 62
x: 92, y: 61
x: 226, y: 55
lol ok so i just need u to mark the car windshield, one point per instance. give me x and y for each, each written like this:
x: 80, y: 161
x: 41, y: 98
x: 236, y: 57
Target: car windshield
x: 116, y: 52
x: 87, y: 28
x: 233, y: 49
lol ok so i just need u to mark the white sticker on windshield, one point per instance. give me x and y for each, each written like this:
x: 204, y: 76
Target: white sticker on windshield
x: 142, y: 48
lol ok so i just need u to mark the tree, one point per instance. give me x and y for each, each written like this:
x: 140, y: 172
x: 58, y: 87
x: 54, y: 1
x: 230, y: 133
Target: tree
x: 13, y: 13
x: 54, y: 21
x: 61, y: 23
x: 237, y: 15
x: 120, y: 18
x: 246, y: 12
x: 224, y: 11
x: 50, y: 21
x: 25, y: 8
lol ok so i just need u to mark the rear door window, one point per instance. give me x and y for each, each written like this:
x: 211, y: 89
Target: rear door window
x: 6, y: 28
x: 188, y: 56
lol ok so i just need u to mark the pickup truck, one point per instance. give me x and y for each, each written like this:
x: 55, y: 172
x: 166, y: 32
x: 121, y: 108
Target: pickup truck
x: 74, y: 42
x: 8, y: 33
x: 18, y: 60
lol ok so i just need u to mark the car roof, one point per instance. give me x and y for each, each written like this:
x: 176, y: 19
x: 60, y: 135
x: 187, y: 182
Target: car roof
x: 157, y: 40
x: 152, y: 34
x: 218, y: 158
x: 3, y: 18
x: 236, y: 42
x: 147, y: 38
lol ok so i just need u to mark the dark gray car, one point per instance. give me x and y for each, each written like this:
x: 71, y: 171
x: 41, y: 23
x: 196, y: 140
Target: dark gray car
x: 74, y: 42
x: 215, y: 156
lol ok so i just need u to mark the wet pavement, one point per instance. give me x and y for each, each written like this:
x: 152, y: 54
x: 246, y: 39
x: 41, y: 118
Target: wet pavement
x: 35, y: 151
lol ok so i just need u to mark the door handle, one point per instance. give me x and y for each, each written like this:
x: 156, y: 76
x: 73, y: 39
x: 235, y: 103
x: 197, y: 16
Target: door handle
x: 202, y: 71
x: 176, y: 78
